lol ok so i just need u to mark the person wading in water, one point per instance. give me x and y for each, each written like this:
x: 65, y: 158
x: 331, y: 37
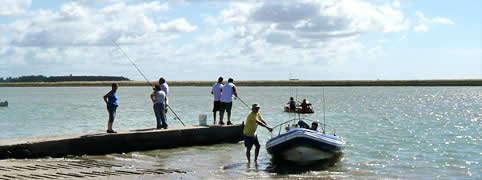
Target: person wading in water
x: 249, y: 132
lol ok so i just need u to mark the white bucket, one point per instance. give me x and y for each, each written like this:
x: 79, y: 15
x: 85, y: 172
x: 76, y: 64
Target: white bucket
x: 203, y: 120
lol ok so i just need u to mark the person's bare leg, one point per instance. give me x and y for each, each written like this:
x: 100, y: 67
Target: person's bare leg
x: 248, y: 154
x: 229, y: 118
x: 256, y: 152
x: 214, y: 115
x: 109, y: 126
x: 221, y: 117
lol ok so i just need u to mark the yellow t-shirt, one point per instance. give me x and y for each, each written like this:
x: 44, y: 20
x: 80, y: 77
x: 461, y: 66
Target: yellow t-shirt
x: 251, y: 124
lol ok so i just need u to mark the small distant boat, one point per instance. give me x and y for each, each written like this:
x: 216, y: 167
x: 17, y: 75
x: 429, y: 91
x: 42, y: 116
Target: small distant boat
x: 299, y: 109
x: 302, y: 145
x: 4, y: 104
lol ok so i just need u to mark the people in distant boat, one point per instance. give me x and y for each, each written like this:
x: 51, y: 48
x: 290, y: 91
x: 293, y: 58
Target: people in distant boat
x: 111, y: 101
x: 216, y: 91
x: 158, y: 97
x: 254, y: 119
x: 314, y: 126
x: 292, y: 104
x: 165, y: 88
x: 304, y: 105
x: 228, y: 91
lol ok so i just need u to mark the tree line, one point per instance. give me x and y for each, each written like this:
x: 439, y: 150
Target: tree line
x: 41, y: 78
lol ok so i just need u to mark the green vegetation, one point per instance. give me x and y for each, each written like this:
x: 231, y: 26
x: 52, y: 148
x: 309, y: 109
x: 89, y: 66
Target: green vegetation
x: 61, y: 78
x: 464, y: 82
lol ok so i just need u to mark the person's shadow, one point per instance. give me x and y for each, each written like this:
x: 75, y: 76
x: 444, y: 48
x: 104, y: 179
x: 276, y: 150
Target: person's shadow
x: 287, y: 167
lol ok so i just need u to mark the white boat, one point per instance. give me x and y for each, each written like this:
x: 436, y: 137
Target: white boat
x: 4, y: 104
x: 304, y: 146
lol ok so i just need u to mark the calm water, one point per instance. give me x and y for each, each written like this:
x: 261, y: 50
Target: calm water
x: 391, y: 132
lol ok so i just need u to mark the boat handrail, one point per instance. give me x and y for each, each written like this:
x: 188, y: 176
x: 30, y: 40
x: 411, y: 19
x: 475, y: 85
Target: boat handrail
x: 294, y: 120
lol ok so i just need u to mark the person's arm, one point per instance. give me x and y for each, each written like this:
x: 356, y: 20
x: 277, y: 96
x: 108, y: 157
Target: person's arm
x: 234, y: 91
x: 152, y: 97
x: 107, y: 95
x: 264, y: 125
x: 261, y: 119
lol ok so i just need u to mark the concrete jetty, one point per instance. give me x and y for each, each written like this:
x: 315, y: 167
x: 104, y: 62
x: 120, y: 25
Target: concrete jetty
x: 120, y: 142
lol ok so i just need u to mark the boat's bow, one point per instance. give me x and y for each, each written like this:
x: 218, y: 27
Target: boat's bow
x: 303, y: 145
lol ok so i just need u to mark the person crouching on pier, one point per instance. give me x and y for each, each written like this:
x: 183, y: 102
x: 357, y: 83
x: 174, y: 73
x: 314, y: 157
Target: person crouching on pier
x: 111, y: 100
x: 158, y: 97
x: 249, y: 132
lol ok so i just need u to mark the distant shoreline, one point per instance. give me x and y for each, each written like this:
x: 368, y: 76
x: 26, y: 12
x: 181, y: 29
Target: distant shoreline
x: 460, y: 82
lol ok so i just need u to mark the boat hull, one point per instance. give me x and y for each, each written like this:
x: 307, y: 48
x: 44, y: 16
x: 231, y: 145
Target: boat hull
x: 4, y: 104
x: 303, y: 146
x: 298, y: 110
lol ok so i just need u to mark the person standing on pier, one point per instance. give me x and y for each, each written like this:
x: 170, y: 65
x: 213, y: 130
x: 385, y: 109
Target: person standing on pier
x: 216, y: 91
x: 165, y: 88
x: 158, y: 97
x: 249, y: 132
x: 229, y: 90
x: 112, y: 103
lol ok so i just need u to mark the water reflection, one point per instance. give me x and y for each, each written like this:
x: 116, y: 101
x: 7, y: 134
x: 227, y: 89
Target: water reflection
x: 283, y: 167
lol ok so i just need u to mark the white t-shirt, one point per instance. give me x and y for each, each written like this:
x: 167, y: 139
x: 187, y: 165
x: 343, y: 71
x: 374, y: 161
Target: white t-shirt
x: 159, y: 97
x: 227, y: 95
x: 165, y: 88
x: 217, y: 91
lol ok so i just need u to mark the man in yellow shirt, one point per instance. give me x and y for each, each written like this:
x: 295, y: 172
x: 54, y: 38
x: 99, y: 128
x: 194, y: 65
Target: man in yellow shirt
x: 249, y: 131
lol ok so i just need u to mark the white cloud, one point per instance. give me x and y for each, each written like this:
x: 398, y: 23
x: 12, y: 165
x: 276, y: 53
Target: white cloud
x: 274, y: 32
x: 396, y: 4
x: 441, y: 20
x: 75, y: 24
x: 421, y: 28
x: 177, y: 25
x: 424, y: 22
x: 13, y: 7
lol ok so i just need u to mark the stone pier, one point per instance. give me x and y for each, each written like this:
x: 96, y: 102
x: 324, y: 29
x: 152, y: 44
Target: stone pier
x: 120, y: 142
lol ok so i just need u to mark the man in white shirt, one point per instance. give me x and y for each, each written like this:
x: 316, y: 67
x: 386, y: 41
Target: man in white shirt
x: 216, y: 91
x: 165, y: 88
x: 229, y: 90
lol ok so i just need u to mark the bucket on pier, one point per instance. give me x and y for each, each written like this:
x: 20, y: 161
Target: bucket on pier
x: 203, y: 120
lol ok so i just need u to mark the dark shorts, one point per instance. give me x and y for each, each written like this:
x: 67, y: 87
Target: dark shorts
x: 217, y: 106
x: 226, y: 106
x: 249, y: 141
x: 111, y: 109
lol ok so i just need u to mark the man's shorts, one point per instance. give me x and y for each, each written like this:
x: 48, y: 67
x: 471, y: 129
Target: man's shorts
x: 226, y: 106
x: 249, y: 141
x: 217, y: 106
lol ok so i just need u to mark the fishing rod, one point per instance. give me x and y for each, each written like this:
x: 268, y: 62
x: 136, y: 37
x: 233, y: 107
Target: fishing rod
x: 132, y: 62
x: 243, y: 102
x: 177, y: 117
x: 150, y: 84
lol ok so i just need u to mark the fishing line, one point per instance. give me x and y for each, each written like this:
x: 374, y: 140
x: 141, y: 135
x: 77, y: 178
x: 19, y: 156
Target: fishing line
x: 243, y: 102
x: 150, y: 84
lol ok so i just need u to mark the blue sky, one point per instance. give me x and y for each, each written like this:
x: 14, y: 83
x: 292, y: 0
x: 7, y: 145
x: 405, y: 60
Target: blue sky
x: 246, y: 40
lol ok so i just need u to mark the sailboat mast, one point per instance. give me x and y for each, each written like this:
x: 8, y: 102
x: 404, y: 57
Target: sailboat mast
x: 324, y: 120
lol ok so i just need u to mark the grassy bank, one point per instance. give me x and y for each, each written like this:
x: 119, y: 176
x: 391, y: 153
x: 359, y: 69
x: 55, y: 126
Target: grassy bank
x: 464, y: 82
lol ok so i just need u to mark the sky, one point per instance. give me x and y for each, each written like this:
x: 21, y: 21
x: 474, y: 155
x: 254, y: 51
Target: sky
x: 245, y: 40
